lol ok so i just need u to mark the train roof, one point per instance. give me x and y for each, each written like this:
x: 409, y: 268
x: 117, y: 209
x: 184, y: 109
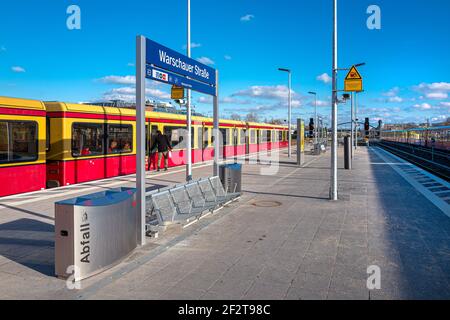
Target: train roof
x: 21, y: 103
x: 53, y: 106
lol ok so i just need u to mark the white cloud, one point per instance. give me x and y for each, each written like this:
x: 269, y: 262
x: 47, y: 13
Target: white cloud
x: 265, y: 92
x: 395, y: 99
x: 325, y: 78
x: 17, y: 69
x: 320, y: 103
x: 439, y: 118
x: 128, y: 94
x: 193, y: 45
x: 227, y: 57
x: 225, y: 100
x: 131, y: 91
x: 436, y: 86
x: 247, y: 17
x: 437, y: 95
x: 205, y: 60
x: 436, y: 90
x: 119, y: 79
x: 392, y: 93
x: 445, y: 104
x: 423, y: 106
x: 130, y: 64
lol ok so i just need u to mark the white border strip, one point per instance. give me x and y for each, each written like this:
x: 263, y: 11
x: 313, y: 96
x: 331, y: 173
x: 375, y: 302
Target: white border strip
x: 432, y: 197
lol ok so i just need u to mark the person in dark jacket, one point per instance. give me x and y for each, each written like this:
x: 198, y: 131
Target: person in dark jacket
x: 163, y: 146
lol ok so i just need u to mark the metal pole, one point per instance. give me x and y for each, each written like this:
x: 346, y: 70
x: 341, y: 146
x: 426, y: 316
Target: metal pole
x: 188, y: 103
x: 216, y: 128
x: 140, y: 119
x: 289, y: 117
x: 356, y: 122
x: 334, y: 162
x: 352, y: 124
x: 316, y: 121
x: 299, y: 142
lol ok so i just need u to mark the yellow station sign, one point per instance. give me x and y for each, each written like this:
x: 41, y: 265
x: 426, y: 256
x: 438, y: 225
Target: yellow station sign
x: 177, y: 93
x: 353, y: 81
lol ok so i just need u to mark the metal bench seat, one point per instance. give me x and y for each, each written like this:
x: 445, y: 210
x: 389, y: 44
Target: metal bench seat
x: 180, y: 203
x: 164, y: 207
x: 185, y: 204
x: 196, y: 195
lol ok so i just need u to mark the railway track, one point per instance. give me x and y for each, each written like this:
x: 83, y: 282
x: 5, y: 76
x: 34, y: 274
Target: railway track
x: 435, y: 161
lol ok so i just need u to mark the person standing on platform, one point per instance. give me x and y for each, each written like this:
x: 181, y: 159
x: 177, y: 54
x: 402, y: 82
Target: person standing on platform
x: 163, y: 146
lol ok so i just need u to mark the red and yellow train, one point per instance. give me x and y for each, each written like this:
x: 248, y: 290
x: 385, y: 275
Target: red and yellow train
x: 52, y: 144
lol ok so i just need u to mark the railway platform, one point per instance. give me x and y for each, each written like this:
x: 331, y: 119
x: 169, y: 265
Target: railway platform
x: 283, y: 240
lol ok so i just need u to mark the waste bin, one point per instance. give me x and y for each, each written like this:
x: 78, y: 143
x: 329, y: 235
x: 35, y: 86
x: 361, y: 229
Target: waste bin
x: 231, y: 177
x: 94, y: 232
x: 317, y: 149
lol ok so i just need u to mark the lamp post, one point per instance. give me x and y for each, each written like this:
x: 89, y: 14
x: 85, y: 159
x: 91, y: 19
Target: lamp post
x: 289, y: 108
x: 315, y: 116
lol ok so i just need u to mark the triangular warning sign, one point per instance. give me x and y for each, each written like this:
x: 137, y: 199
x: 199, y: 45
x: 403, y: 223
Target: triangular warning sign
x: 353, y: 74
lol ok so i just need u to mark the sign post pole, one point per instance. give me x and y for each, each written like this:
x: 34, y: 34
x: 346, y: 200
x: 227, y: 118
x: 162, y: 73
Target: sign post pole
x: 216, y: 128
x: 334, y: 162
x: 140, y: 120
x: 188, y: 105
x: 352, y: 123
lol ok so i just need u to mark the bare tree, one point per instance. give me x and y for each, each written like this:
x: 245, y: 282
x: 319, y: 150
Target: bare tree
x: 235, y: 117
x: 276, y: 121
x: 252, y: 117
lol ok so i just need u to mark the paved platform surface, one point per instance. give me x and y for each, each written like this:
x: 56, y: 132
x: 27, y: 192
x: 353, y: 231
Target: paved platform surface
x: 282, y: 240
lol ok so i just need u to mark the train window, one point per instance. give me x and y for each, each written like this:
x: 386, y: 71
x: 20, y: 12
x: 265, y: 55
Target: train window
x: 263, y: 136
x: 253, y: 136
x: 280, y: 135
x: 269, y: 135
x: 87, y: 139
x: 120, y: 138
x: 242, y: 133
x: 225, y: 136
x: 176, y: 136
x: 199, y: 137
x: 18, y: 141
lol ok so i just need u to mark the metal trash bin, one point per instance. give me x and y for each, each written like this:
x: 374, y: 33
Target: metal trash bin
x: 317, y: 149
x: 231, y: 177
x: 94, y: 232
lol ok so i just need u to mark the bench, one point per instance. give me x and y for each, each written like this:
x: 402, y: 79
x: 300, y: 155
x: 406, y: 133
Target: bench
x: 183, y: 203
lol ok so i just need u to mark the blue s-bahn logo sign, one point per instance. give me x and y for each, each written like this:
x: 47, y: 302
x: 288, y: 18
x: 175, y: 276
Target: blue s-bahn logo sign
x: 169, y: 66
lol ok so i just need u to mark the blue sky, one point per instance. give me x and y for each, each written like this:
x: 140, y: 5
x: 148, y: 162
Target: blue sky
x: 406, y: 77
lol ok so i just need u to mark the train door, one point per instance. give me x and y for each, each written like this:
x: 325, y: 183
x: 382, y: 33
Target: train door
x: 235, y: 142
x: 246, y: 132
x: 150, y: 133
x: 258, y: 139
x: 224, y: 133
x: 205, y: 143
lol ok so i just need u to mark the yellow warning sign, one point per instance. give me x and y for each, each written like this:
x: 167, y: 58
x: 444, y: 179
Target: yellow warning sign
x: 353, y: 81
x: 353, y: 74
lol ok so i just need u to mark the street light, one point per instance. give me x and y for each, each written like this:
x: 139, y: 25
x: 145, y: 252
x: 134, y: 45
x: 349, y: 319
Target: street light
x: 315, y: 115
x: 289, y: 108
